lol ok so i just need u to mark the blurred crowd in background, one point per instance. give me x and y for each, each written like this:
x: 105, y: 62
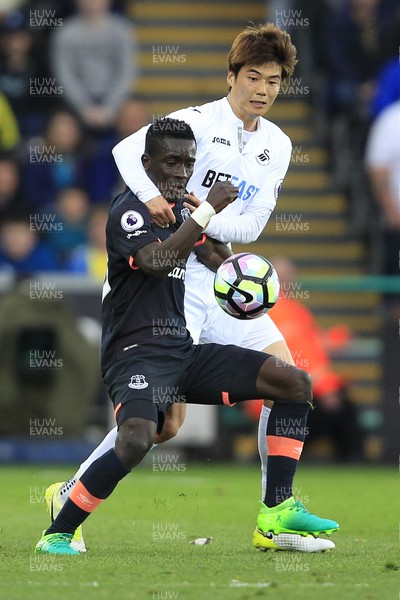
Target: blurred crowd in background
x: 350, y: 52
x: 66, y: 98
x: 67, y: 95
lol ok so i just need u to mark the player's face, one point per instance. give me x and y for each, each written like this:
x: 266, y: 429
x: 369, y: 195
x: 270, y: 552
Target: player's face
x: 171, y: 167
x: 253, y: 91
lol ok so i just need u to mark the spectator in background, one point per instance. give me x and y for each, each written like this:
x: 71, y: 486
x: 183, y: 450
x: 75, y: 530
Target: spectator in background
x: 21, y: 250
x: 7, y: 5
x: 91, y: 259
x: 305, y: 21
x: 11, y: 199
x: 56, y: 161
x: 66, y: 8
x: 334, y: 415
x: 95, y: 61
x: 9, y: 130
x: 354, y: 46
x: 55, y: 8
x: 383, y: 164
x: 388, y: 80
x: 388, y: 86
x: 354, y: 40
x: 105, y: 181
x: 20, y: 73
x: 71, y: 210
x: 134, y: 113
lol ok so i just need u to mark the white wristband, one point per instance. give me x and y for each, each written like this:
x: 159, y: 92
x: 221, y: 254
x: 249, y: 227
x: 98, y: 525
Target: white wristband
x: 203, y: 214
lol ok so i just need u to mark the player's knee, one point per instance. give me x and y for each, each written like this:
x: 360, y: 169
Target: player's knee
x: 301, y: 386
x: 137, y: 447
x: 133, y: 442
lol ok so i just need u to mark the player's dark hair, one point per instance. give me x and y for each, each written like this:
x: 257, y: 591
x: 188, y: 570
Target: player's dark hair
x: 166, y: 128
x: 261, y: 44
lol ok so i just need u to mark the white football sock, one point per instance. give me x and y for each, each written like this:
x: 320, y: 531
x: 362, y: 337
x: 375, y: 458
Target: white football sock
x: 262, y: 446
x: 102, y: 448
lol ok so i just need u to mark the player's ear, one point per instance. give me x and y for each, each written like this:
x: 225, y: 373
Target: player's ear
x: 230, y: 78
x: 146, y: 161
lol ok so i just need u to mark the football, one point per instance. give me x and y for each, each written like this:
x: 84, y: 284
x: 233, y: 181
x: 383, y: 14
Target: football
x: 246, y: 285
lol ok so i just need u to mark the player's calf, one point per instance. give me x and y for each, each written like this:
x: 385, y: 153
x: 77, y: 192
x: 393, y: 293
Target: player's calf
x: 302, y: 390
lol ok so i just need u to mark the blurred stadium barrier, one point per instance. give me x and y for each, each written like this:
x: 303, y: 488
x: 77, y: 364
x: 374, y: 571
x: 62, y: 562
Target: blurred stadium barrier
x: 369, y: 363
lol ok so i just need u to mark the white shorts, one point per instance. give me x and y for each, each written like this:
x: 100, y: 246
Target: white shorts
x: 208, y: 323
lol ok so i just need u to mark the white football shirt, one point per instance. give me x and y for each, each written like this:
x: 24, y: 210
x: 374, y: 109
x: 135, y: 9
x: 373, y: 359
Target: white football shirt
x: 256, y: 164
x: 383, y: 146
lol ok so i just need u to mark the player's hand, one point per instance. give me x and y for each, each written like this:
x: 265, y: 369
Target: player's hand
x: 221, y: 194
x: 192, y: 201
x: 160, y: 211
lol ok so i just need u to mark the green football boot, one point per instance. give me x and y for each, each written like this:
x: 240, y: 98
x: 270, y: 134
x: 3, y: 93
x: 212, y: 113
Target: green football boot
x: 55, y: 543
x: 292, y: 517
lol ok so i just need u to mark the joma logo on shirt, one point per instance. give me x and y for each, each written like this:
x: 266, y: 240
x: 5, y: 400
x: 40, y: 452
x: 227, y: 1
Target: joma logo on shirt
x: 219, y: 140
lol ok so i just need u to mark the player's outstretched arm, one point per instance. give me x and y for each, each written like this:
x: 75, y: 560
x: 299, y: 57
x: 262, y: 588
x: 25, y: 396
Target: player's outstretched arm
x: 212, y: 253
x: 178, y: 246
x: 255, y: 212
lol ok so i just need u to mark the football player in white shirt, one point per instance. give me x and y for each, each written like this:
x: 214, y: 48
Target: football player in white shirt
x: 235, y: 143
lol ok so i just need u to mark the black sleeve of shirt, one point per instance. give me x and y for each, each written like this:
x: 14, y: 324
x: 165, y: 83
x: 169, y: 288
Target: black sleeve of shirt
x: 129, y: 228
x: 181, y: 214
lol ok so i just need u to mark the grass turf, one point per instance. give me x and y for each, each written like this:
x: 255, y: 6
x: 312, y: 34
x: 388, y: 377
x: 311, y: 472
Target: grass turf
x: 138, y: 541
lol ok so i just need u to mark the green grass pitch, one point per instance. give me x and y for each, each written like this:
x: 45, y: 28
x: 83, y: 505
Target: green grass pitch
x: 138, y: 540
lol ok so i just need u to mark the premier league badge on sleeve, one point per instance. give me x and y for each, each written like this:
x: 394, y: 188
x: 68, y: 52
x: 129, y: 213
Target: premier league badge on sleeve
x: 131, y: 220
x: 278, y: 187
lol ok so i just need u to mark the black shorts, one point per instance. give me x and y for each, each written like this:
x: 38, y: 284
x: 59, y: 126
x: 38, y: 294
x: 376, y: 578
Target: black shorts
x: 146, y: 383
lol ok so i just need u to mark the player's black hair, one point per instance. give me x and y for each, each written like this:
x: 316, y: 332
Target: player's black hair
x: 165, y: 128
